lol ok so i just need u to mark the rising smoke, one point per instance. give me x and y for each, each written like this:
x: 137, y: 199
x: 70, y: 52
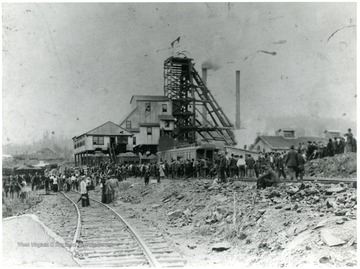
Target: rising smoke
x: 208, y: 64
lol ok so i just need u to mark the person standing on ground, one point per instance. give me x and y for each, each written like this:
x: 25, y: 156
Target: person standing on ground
x: 330, y: 148
x: 280, y: 165
x: 55, y: 184
x: 68, y: 184
x: 251, y: 166
x: 103, y: 189
x: 114, y: 184
x: 233, y: 167
x: 146, y: 175
x: 6, y: 186
x: 84, y: 193
x: 291, y: 162
x: 222, y: 167
x: 241, y: 166
x: 108, y: 191
x: 301, y: 166
x: 161, y: 172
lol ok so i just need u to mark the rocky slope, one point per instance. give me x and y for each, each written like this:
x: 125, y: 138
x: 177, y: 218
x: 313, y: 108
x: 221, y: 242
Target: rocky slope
x: 294, y: 224
x: 339, y: 166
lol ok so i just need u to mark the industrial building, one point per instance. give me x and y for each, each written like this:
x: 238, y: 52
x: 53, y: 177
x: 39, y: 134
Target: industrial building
x: 150, y: 116
x: 186, y: 115
x: 106, y: 139
x: 283, y: 140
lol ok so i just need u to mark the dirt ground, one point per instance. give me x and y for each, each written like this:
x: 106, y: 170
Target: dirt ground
x: 26, y: 243
x: 237, y: 225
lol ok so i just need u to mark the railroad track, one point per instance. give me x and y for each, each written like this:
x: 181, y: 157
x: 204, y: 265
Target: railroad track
x: 104, y: 238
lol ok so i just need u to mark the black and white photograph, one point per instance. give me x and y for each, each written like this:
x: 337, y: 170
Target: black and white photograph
x: 179, y: 134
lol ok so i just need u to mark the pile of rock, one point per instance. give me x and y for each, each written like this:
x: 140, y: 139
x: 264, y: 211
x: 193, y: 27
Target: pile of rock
x: 339, y: 166
x: 335, y: 199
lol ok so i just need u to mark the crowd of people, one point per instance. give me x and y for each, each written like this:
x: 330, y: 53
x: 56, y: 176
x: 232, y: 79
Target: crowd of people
x: 337, y: 145
x: 267, y: 167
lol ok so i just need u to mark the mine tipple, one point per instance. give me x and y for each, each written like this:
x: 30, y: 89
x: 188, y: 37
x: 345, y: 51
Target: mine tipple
x: 192, y: 101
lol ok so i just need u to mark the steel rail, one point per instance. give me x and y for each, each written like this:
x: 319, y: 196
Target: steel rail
x: 78, y: 227
x: 148, y: 254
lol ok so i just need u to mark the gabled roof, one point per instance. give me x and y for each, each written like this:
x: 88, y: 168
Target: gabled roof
x: 107, y: 129
x: 127, y: 116
x: 279, y: 142
x: 149, y: 98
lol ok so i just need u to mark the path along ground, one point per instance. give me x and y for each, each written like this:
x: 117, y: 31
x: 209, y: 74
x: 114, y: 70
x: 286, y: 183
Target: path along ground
x: 27, y: 242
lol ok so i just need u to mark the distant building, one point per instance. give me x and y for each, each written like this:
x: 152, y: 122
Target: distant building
x: 150, y: 117
x: 283, y: 140
x: 108, y: 138
x: 332, y: 134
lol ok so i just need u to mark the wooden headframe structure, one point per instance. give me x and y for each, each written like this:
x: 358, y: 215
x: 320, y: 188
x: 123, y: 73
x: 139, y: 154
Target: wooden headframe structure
x: 197, y: 114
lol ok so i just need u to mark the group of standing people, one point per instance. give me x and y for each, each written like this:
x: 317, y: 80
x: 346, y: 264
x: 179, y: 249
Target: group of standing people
x: 334, y: 146
x: 12, y: 186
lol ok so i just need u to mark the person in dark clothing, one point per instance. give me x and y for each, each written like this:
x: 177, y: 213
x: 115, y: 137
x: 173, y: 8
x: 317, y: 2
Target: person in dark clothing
x: 222, y: 167
x: 47, y: 185
x: 310, y: 150
x: 291, y: 162
x: 301, y: 167
x: 146, y: 176
x: 342, y: 145
x: 103, y: 189
x: 268, y: 179
x: 250, y: 164
x: 280, y: 166
x: 330, y: 148
x: 257, y: 167
x: 233, y: 167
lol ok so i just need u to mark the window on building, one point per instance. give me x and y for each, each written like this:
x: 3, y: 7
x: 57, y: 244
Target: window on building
x: 128, y: 124
x: 164, y: 108
x: 134, y: 140
x: 74, y: 146
x: 149, y: 130
x: 289, y: 134
x: 167, y: 124
x: 98, y: 140
x: 147, y: 107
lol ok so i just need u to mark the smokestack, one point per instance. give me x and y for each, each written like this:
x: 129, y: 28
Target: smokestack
x: 204, y: 111
x: 237, y: 115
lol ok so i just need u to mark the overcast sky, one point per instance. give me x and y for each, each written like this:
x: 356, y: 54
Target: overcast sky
x: 68, y: 68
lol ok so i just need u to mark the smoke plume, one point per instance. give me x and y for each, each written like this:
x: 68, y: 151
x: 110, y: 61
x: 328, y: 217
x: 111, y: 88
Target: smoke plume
x: 208, y: 64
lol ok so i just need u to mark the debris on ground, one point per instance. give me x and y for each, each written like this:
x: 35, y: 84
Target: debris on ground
x: 277, y: 224
x: 338, y: 166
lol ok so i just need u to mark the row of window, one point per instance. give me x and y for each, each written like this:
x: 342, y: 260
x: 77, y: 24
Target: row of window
x: 98, y: 140
x: 148, y: 107
x: 79, y: 144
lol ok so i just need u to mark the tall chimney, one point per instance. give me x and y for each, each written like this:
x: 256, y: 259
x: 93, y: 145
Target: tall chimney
x: 204, y: 111
x: 237, y: 115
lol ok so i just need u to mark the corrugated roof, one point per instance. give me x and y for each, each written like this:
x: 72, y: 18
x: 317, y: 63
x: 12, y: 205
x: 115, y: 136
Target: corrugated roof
x: 149, y: 98
x: 166, y: 117
x: 279, y: 142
